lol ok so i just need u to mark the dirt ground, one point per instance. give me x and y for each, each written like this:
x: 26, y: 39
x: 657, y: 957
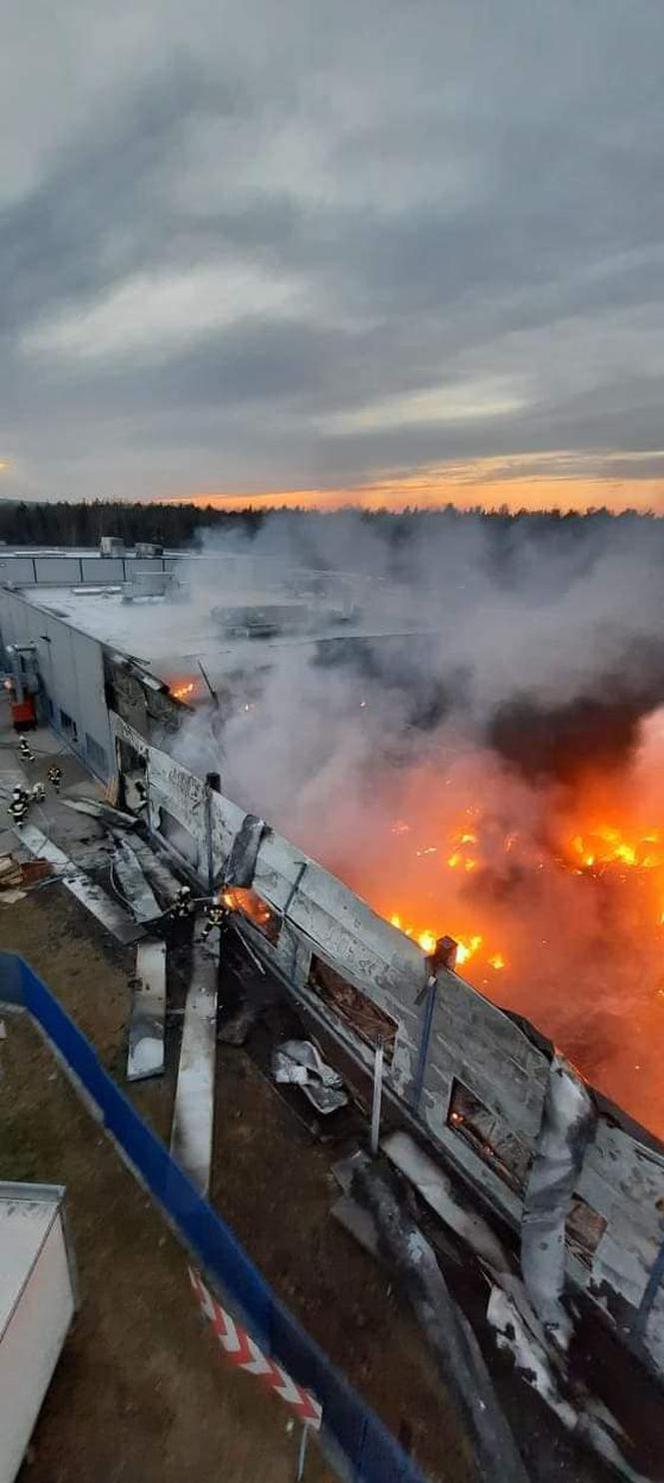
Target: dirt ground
x: 141, y: 1391
x: 137, y: 1350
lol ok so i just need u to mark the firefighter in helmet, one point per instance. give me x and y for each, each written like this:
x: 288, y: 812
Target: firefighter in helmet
x: 183, y: 904
x: 25, y: 750
x: 215, y: 915
x: 54, y: 776
x: 18, y: 806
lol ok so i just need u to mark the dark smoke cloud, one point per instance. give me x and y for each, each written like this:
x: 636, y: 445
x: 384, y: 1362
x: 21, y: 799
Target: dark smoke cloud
x: 596, y: 730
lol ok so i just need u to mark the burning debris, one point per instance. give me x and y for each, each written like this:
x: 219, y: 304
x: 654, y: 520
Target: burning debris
x: 538, y: 887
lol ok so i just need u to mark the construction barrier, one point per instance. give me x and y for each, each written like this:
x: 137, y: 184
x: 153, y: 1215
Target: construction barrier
x: 271, y: 1342
x: 239, y: 1348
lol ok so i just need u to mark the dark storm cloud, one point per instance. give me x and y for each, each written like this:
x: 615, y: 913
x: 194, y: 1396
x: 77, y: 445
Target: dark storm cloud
x: 235, y: 248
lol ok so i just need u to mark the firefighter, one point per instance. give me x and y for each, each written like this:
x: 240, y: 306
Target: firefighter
x: 18, y: 807
x: 183, y: 905
x: 25, y: 751
x: 54, y: 776
x: 215, y: 915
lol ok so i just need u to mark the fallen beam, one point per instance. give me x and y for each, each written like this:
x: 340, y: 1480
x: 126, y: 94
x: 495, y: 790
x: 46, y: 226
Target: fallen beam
x: 104, y: 812
x: 155, y: 869
x: 193, y: 1114
x: 453, y: 1343
x: 437, y: 1189
x: 145, y: 1053
x: 140, y: 897
x: 91, y: 896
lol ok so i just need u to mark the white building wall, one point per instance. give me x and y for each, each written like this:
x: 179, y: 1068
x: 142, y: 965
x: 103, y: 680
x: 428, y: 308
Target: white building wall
x: 72, y: 672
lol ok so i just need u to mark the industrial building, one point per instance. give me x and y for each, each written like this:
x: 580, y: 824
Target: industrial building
x: 578, y: 1182
x: 75, y: 650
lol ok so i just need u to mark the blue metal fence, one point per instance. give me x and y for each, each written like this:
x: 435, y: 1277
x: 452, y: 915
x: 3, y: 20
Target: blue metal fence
x: 357, y: 1443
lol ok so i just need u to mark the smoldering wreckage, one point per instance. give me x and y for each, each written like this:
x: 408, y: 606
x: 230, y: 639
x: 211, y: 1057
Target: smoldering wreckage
x: 489, y: 1151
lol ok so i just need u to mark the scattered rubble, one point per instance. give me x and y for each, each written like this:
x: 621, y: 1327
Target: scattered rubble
x: 375, y: 1187
x: 581, y: 1414
x: 93, y: 897
x: 17, y: 876
x: 300, y: 1063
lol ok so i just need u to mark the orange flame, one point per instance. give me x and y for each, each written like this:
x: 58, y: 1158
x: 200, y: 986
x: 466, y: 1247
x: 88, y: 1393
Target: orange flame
x: 181, y: 689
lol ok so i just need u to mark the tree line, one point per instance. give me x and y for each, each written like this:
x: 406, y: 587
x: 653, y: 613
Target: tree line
x: 65, y: 523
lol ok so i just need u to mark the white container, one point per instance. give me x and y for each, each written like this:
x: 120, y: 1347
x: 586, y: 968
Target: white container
x: 37, y: 1302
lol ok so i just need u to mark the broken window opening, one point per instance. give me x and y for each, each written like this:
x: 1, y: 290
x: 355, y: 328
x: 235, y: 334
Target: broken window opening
x: 364, y: 1016
x: 254, y: 909
x: 584, y: 1229
x: 178, y: 837
x: 489, y: 1136
x: 133, y: 774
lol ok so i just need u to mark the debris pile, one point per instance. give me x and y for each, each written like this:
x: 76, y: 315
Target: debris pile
x: 17, y: 876
x: 300, y: 1063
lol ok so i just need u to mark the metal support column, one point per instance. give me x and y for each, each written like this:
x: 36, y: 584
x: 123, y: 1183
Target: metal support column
x: 423, y: 1051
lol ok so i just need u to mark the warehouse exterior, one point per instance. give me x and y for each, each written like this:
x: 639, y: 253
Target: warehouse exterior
x: 479, y: 1085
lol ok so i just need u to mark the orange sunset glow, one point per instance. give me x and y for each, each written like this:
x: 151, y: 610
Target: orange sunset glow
x: 552, y: 481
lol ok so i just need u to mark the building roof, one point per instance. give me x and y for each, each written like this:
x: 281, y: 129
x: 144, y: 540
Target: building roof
x: 167, y: 635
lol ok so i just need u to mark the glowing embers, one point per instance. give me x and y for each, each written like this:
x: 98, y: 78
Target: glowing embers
x: 488, y: 1135
x: 184, y: 690
x: 603, y: 845
x: 254, y: 909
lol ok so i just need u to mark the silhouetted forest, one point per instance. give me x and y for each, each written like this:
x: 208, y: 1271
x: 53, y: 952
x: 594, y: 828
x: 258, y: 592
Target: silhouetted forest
x: 175, y: 525
x: 68, y: 524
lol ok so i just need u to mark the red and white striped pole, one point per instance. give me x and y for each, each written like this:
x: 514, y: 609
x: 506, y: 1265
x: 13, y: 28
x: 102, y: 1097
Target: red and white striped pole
x: 241, y: 1350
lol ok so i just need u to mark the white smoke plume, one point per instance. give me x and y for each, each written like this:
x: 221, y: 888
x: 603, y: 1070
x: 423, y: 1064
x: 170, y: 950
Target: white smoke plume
x: 515, y: 703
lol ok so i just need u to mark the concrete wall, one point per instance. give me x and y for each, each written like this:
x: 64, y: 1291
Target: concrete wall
x: 72, y: 674
x: 474, y: 1046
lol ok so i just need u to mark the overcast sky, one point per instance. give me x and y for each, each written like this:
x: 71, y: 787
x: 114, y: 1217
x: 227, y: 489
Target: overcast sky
x: 412, y: 249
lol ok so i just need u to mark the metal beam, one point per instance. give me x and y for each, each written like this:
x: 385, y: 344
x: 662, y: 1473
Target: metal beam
x: 193, y: 1114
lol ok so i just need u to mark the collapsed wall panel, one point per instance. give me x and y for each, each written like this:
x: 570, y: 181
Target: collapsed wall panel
x: 485, y: 1074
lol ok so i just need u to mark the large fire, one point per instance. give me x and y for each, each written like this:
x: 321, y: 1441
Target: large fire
x: 554, y: 895
x: 602, y: 850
